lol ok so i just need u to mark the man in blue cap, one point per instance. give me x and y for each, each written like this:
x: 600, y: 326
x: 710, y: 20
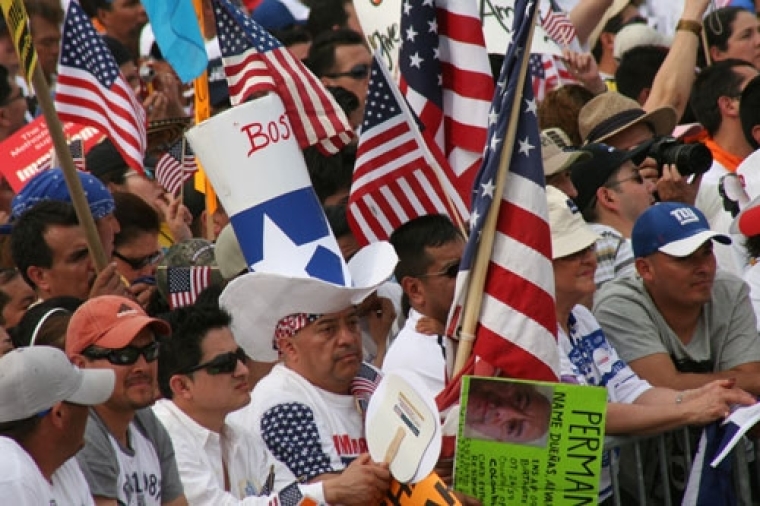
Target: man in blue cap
x: 681, y: 323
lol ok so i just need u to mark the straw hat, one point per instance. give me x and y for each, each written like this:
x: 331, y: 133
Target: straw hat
x: 610, y: 113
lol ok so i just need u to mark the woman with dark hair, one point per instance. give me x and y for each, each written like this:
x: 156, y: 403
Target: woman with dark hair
x: 45, y: 324
x: 732, y: 32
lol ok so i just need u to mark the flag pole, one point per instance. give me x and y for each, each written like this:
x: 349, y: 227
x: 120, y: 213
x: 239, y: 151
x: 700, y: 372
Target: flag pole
x: 16, y: 17
x: 474, y: 296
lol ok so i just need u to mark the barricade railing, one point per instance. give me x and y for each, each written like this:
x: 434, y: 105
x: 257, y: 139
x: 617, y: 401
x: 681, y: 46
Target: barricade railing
x: 742, y: 471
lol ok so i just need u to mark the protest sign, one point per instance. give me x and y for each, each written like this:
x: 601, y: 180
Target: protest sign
x: 28, y: 151
x: 527, y: 442
x: 380, y: 20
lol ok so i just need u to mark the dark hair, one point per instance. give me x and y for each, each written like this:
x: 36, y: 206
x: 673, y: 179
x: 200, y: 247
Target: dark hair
x: 49, y: 10
x: 328, y: 173
x: 752, y: 244
x: 5, y: 85
x: 182, y: 350
x: 118, y: 50
x: 321, y: 59
x: 135, y: 217
x: 20, y: 430
x: 51, y: 332
x: 291, y: 35
x: 560, y: 109
x: 411, y: 239
x: 324, y: 15
x: 638, y: 68
x: 338, y: 220
x: 749, y: 110
x: 718, y: 26
x: 106, y: 163
x: 28, y: 245
x: 717, y: 80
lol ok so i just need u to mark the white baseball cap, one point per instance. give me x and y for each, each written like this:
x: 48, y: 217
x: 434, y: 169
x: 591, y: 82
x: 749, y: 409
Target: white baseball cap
x: 34, y: 379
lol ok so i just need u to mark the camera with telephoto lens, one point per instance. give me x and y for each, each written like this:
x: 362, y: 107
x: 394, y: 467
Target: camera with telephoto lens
x: 694, y: 158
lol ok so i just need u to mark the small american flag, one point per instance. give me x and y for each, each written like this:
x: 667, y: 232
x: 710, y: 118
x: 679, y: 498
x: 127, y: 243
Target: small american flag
x: 557, y: 25
x: 548, y: 73
x: 255, y: 63
x: 176, y: 166
x: 517, y: 325
x: 394, y: 179
x: 92, y: 91
x: 364, y: 385
x: 446, y: 78
x: 185, y: 283
x: 76, y: 148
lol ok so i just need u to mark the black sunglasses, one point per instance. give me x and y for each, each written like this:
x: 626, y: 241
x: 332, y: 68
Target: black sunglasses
x: 221, y: 364
x: 142, y: 262
x: 450, y: 272
x: 124, y: 356
x: 358, y: 72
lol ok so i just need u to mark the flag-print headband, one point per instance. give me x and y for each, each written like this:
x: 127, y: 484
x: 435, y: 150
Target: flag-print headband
x: 291, y: 324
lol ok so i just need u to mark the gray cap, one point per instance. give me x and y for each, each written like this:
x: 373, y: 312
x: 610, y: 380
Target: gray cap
x: 34, y: 379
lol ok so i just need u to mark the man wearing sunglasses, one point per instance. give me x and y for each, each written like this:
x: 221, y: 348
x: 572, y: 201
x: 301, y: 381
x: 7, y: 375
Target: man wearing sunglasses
x: 429, y: 250
x: 341, y: 58
x: 128, y: 457
x: 612, y: 194
x: 203, y: 377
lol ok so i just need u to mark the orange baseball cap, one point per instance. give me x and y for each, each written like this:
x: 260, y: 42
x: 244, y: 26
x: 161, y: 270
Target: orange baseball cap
x: 110, y: 322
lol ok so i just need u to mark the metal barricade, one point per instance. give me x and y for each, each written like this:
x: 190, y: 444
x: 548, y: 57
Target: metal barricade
x: 741, y: 469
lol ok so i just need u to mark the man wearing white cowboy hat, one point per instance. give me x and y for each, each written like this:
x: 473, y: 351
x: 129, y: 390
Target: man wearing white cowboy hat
x: 304, y: 411
x: 44, y: 403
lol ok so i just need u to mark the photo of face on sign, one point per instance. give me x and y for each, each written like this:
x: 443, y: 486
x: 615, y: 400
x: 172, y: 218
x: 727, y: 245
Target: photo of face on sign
x: 508, y: 412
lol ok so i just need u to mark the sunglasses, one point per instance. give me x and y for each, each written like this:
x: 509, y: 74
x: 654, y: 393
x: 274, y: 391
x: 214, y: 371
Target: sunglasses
x: 141, y: 262
x: 450, y: 271
x: 124, y: 356
x: 358, y: 72
x: 225, y: 363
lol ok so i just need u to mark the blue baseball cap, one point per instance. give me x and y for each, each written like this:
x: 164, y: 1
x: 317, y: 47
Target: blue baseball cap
x: 672, y: 228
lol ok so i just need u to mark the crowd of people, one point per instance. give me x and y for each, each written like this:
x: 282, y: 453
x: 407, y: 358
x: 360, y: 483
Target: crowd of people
x: 109, y: 394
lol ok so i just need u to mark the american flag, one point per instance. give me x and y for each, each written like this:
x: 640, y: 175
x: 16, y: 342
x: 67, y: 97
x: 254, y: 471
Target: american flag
x: 185, y: 283
x: 548, y: 73
x: 516, y: 326
x: 76, y: 148
x: 446, y: 78
x: 394, y: 178
x: 557, y: 25
x: 92, y: 91
x: 255, y: 63
x: 176, y: 166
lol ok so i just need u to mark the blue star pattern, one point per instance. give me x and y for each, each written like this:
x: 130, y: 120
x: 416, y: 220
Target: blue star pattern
x: 290, y: 432
x: 84, y: 50
x: 418, y: 56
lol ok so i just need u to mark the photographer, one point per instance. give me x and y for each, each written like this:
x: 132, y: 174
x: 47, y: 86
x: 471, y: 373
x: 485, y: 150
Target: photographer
x: 715, y: 101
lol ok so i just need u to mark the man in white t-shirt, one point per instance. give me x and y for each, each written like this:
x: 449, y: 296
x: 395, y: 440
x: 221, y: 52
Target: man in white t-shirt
x: 128, y: 458
x: 429, y: 249
x: 44, y: 402
x: 308, y: 412
x: 203, y: 378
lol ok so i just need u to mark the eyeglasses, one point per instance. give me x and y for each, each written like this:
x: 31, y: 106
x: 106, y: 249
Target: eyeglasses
x: 148, y: 173
x: 449, y: 271
x: 358, y: 72
x: 637, y: 177
x: 142, y: 262
x: 225, y: 363
x: 124, y: 356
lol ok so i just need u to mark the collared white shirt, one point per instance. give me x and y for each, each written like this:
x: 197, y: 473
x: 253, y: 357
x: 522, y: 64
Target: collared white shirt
x: 200, y: 452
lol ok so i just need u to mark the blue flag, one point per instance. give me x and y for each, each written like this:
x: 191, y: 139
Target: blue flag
x: 178, y: 35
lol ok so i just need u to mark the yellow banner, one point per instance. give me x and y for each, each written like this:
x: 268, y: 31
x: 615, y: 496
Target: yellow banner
x: 18, y: 26
x: 202, y: 113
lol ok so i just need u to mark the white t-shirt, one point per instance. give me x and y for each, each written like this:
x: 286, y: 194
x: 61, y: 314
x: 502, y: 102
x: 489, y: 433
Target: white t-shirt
x: 423, y: 354
x: 22, y: 483
x: 139, y: 481
x: 710, y: 203
x: 308, y: 429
